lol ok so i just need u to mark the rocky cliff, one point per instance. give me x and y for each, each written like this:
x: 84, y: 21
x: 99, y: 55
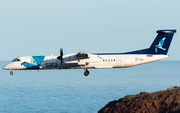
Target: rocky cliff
x: 164, y: 101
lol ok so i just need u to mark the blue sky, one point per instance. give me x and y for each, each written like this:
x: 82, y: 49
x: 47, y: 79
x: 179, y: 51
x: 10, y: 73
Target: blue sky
x: 42, y: 27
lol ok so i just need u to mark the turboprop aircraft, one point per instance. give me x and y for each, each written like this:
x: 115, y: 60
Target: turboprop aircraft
x: 83, y: 60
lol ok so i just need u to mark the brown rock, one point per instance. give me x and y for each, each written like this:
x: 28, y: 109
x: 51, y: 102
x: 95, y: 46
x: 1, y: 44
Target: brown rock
x: 163, y: 101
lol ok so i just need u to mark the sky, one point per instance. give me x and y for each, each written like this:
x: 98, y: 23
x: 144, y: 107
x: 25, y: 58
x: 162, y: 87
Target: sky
x: 42, y: 27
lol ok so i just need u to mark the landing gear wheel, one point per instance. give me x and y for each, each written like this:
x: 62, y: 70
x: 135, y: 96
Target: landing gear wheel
x: 11, y: 73
x: 86, y: 73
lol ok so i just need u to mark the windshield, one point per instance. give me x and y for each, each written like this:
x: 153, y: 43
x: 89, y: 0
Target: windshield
x: 16, y: 60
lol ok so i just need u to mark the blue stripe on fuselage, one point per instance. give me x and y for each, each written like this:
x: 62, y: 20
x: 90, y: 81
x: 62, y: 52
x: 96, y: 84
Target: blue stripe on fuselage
x: 34, y: 63
x: 143, y: 51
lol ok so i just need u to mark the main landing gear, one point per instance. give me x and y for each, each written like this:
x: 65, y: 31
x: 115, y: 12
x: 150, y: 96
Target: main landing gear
x: 86, y: 73
x: 11, y: 73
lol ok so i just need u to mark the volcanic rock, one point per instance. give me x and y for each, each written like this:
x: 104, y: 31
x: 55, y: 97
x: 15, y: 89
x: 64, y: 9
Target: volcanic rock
x: 163, y: 101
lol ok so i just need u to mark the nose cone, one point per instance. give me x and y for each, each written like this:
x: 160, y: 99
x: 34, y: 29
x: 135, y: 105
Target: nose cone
x: 6, y: 67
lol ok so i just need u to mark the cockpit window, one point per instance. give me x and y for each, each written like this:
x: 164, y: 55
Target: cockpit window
x: 16, y: 60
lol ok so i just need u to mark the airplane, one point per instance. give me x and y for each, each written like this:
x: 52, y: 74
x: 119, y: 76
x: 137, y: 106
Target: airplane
x: 83, y: 60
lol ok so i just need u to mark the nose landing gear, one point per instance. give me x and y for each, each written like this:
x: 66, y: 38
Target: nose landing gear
x: 11, y: 73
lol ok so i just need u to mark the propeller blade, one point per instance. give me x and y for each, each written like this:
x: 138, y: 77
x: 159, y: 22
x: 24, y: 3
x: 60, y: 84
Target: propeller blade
x: 61, y: 56
x: 61, y: 52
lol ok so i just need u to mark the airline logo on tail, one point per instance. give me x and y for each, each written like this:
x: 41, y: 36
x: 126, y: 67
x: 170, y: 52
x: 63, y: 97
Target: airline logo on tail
x: 161, y: 43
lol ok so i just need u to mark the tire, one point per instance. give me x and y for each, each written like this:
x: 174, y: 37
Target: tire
x: 86, y: 73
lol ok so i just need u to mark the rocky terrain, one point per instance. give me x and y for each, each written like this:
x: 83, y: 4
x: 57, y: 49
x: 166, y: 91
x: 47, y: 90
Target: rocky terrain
x: 163, y: 101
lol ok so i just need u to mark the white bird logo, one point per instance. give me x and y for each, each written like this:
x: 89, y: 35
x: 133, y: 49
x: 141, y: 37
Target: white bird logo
x: 161, y: 43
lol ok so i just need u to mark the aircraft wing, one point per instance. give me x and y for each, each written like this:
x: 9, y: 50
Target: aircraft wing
x: 83, y: 57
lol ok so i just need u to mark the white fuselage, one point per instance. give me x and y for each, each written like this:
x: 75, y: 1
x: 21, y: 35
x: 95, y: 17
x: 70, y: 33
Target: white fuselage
x: 72, y: 62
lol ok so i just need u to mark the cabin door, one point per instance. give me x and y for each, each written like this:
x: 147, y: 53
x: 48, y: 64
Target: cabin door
x: 119, y: 61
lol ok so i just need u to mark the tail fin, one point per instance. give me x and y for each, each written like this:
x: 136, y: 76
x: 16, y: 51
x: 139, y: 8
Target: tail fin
x: 162, y: 42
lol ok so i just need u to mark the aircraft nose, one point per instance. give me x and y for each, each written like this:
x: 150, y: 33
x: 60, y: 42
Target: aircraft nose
x: 6, y: 67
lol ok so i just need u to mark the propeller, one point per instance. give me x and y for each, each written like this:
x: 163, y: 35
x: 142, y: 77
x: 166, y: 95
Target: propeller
x: 61, y: 56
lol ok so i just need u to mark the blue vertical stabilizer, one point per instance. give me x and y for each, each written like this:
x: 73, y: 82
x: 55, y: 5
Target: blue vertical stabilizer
x: 162, y: 42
